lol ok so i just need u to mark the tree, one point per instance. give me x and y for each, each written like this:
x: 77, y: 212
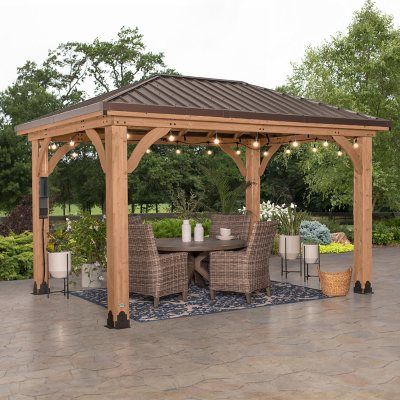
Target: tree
x: 360, y: 71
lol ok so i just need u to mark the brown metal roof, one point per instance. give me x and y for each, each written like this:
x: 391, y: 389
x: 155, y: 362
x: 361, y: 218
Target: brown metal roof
x: 210, y: 97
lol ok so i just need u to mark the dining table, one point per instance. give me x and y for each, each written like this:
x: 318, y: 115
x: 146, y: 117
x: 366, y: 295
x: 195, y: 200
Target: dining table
x: 198, y: 251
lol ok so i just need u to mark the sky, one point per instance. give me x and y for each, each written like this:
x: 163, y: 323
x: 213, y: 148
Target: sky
x: 250, y: 40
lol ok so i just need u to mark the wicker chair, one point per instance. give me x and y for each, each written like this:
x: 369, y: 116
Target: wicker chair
x: 239, y: 225
x: 247, y: 270
x: 134, y: 219
x: 153, y: 274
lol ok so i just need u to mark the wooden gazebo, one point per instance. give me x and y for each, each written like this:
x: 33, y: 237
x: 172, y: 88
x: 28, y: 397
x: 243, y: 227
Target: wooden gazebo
x: 194, y: 111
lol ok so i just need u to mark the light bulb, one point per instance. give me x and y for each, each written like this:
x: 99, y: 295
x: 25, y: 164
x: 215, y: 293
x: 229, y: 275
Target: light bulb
x: 171, y: 137
x: 128, y: 135
x: 148, y: 151
x: 178, y: 151
x: 265, y: 153
x: 314, y: 149
x: 339, y: 153
x: 238, y: 152
x: 216, y: 140
x: 209, y: 152
x: 326, y: 143
x: 356, y: 145
x: 74, y: 155
x: 72, y: 142
x: 53, y: 146
x: 256, y: 144
x: 288, y: 151
x: 295, y: 143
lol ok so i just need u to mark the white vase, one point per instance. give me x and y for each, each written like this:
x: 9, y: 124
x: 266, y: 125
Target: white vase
x: 59, y: 262
x: 92, y: 276
x: 292, y: 246
x: 311, y: 253
x: 186, y: 231
x: 199, y: 233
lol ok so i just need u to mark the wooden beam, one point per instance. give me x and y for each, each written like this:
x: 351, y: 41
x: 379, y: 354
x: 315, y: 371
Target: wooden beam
x: 238, y: 161
x: 271, y: 151
x: 59, y: 154
x: 43, y: 151
x: 253, y: 191
x: 362, y: 210
x: 351, y: 152
x: 140, y: 149
x: 117, y: 227
x: 98, y: 144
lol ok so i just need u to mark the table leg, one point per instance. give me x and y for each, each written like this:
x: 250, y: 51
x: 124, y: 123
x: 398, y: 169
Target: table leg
x: 190, y: 268
x: 199, y: 268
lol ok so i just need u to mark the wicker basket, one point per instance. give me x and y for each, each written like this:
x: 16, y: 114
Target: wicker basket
x: 335, y: 283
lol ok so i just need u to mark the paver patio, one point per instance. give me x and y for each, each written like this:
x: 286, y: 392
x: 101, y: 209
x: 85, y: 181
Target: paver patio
x: 344, y: 348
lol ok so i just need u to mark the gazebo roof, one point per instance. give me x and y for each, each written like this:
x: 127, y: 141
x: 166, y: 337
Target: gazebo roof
x: 185, y: 95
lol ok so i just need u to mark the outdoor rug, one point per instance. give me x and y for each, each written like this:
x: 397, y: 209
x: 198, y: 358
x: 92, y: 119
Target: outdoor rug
x: 199, y: 303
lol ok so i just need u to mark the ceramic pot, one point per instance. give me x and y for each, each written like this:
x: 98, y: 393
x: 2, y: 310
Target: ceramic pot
x: 199, y: 233
x: 292, y: 246
x: 92, y: 276
x: 59, y: 263
x: 311, y: 253
x: 186, y: 231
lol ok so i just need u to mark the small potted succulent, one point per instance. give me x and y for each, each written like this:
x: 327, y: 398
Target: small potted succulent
x: 88, y: 234
x: 59, y: 253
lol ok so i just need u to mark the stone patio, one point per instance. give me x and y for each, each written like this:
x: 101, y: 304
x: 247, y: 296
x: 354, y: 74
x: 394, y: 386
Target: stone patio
x: 344, y: 348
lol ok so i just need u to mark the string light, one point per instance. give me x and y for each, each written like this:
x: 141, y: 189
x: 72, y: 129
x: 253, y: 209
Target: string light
x: 265, y: 153
x: 209, y: 152
x: 288, y: 151
x: 148, y: 151
x: 72, y: 142
x: 53, y: 146
x: 256, y: 143
x: 216, y: 140
x: 238, y: 151
x: 340, y: 153
x: 74, y: 154
x: 295, y: 143
x: 171, y: 137
x: 325, y: 144
x: 128, y: 136
x: 355, y: 144
x: 314, y: 149
x: 178, y: 151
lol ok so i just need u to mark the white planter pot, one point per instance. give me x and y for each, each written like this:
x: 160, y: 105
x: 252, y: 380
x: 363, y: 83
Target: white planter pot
x: 92, y: 275
x: 186, y: 231
x: 59, y: 262
x: 311, y: 253
x: 292, y: 246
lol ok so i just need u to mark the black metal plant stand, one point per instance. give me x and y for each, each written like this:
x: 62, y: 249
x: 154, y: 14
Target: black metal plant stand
x: 284, y: 265
x: 65, y: 289
x: 306, y: 265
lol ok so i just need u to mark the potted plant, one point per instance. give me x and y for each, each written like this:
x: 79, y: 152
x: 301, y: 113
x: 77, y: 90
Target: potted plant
x: 289, y: 225
x: 310, y: 251
x: 88, y: 234
x: 58, y: 253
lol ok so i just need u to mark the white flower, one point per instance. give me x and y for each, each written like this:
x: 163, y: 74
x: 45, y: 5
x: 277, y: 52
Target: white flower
x: 101, y: 278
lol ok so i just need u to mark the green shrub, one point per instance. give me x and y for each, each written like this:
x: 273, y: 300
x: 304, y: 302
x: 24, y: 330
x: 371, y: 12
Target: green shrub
x: 172, y: 227
x: 314, y: 232
x: 334, y: 226
x: 384, y: 233
x: 335, y: 248
x: 16, y: 257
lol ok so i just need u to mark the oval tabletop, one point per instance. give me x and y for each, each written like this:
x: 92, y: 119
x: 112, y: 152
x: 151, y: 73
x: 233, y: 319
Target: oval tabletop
x: 209, y: 244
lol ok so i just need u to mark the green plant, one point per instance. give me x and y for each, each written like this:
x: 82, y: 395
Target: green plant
x: 314, y: 232
x: 335, y: 248
x: 290, y: 220
x: 58, y: 240
x: 88, y: 241
x: 171, y: 227
x: 16, y: 256
x: 183, y: 205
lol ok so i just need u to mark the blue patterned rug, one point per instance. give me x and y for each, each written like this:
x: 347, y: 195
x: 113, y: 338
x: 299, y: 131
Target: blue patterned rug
x: 199, y: 303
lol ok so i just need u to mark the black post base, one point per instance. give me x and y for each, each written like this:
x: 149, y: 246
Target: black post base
x: 43, y: 289
x: 122, y: 321
x: 367, y: 289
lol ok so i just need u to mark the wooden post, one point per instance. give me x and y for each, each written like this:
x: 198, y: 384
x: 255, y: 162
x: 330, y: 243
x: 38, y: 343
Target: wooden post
x: 362, y: 211
x: 117, y: 227
x: 253, y: 191
x: 40, y: 228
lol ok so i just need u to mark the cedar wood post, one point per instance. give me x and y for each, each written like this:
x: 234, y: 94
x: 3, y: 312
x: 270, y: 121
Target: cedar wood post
x: 40, y: 228
x: 362, y: 210
x: 117, y: 227
x: 253, y: 191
